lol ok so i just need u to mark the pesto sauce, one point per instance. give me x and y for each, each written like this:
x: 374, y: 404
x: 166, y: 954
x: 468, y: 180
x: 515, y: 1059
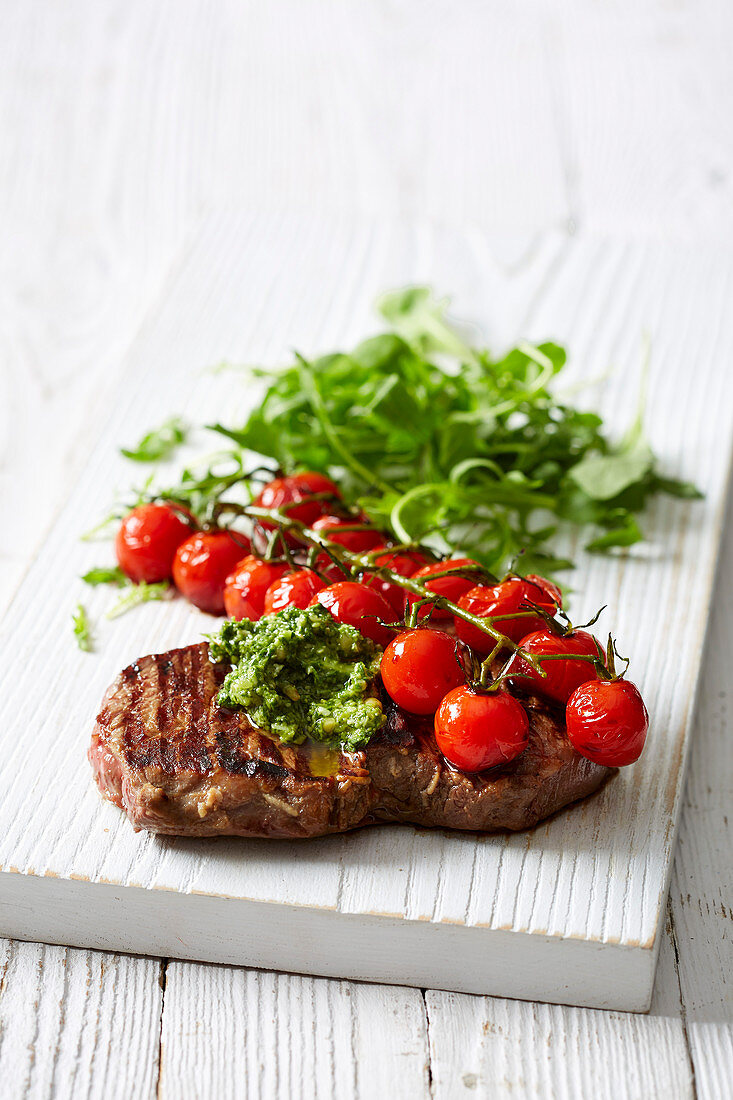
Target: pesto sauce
x: 301, y: 674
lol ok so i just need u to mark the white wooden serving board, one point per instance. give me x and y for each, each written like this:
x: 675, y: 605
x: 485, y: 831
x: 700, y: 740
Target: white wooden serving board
x: 569, y: 912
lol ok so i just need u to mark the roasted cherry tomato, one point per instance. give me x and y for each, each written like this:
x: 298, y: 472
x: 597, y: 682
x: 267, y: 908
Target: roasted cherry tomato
x: 244, y: 591
x: 562, y: 676
x: 336, y: 528
x: 202, y: 564
x: 359, y: 606
x: 292, y: 590
x: 147, y: 540
x: 607, y: 722
x: 513, y: 594
x: 403, y: 562
x: 475, y: 730
x: 294, y: 495
x: 452, y: 586
x: 419, y: 667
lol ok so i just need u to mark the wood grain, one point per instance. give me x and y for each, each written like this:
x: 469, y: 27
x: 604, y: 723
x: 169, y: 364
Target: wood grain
x: 119, y: 125
x: 295, y: 1036
x: 77, y: 1023
x: 596, y: 876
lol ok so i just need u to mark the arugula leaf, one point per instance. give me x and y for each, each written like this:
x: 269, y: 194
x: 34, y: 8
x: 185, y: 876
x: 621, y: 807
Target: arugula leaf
x: 159, y: 443
x: 466, y: 451
x: 137, y: 594
x: 82, y: 629
x: 102, y: 575
x: 603, y: 477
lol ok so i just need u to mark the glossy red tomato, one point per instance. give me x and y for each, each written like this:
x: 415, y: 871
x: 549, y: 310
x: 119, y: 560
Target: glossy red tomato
x: 403, y: 562
x: 294, y: 495
x: 475, y: 730
x: 513, y: 594
x: 147, y: 540
x: 359, y: 606
x: 355, y: 541
x: 562, y: 676
x: 245, y: 587
x: 452, y: 586
x: 419, y: 667
x: 202, y: 564
x: 292, y: 590
x: 607, y: 722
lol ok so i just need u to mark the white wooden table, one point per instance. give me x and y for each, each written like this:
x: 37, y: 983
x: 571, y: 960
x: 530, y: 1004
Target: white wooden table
x: 122, y: 122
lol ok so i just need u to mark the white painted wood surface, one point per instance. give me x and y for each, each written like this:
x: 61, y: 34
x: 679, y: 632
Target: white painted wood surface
x: 120, y: 124
x: 569, y: 912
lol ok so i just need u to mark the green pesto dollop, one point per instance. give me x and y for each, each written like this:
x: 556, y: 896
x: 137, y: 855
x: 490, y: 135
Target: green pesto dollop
x: 301, y: 674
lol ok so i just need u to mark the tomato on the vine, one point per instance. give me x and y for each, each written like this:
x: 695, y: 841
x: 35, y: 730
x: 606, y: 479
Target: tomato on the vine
x: 562, y: 676
x: 246, y: 585
x: 452, y: 586
x: 475, y: 730
x: 514, y: 594
x: 359, y: 606
x: 202, y: 564
x: 419, y: 667
x: 147, y: 540
x: 336, y: 528
x: 292, y: 590
x: 294, y: 495
x: 403, y: 562
x: 607, y: 722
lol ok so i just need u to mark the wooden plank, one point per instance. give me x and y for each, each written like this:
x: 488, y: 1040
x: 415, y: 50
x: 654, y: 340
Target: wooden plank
x: 482, y: 1046
x: 77, y: 1023
x: 599, y: 296
x: 702, y: 882
x: 253, y: 1034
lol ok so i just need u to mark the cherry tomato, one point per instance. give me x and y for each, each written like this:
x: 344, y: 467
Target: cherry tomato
x: 355, y: 541
x: 404, y: 562
x: 452, y: 587
x: 562, y: 676
x: 244, y: 591
x: 607, y: 722
x: 419, y: 667
x: 202, y: 564
x: 513, y: 594
x: 475, y: 730
x: 359, y: 606
x: 147, y: 540
x: 296, y: 490
x: 292, y: 590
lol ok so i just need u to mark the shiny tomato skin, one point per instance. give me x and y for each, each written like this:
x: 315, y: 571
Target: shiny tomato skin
x: 419, y: 668
x: 202, y: 564
x: 403, y: 562
x: 475, y: 730
x: 147, y: 541
x: 295, y: 589
x: 607, y: 722
x: 296, y: 490
x: 246, y: 585
x: 451, y: 587
x: 563, y: 677
x: 356, y: 542
x: 359, y: 606
x: 513, y: 594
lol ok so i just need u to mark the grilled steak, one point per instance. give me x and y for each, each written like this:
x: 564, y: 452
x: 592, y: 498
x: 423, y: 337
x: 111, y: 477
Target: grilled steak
x: 177, y: 763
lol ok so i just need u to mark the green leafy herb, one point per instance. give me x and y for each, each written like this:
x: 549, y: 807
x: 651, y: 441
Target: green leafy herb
x: 159, y: 443
x: 103, y: 575
x: 136, y: 594
x: 475, y: 454
x: 82, y: 629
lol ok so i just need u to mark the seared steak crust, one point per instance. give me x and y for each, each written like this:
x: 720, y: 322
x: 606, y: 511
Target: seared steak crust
x: 177, y: 763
